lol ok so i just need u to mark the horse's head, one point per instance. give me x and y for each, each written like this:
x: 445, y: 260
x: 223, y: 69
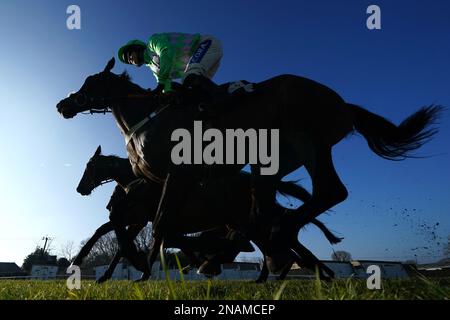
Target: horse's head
x: 95, y: 174
x: 98, y: 93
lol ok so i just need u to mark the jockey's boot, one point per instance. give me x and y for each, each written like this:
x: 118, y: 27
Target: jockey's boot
x: 212, y: 98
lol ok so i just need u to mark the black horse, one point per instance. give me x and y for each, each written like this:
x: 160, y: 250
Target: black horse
x: 129, y: 209
x: 134, y: 212
x: 135, y: 219
x: 311, y: 119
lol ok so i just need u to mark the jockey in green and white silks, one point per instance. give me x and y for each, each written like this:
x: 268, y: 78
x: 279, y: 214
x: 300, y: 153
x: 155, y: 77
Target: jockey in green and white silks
x: 194, y: 58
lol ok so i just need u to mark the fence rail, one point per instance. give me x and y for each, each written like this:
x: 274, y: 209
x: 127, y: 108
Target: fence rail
x: 57, y: 277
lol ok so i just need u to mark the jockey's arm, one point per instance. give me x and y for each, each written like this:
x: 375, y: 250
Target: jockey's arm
x: 160, y: 45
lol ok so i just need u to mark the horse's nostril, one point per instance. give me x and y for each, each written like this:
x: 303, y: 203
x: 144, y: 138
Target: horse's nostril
x: 60, y: 107
x: 82, y: 191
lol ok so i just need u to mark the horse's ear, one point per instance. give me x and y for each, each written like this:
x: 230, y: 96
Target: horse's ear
x: 110, y: 65
x: 98, y: 151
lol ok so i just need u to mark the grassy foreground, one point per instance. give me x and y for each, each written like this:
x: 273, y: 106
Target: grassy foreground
x: 227, y: 290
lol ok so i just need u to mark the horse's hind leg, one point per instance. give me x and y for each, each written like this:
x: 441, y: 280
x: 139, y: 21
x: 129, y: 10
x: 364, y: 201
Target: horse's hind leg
x: 133, y: 231
x: 121, y: 216
x: 310, y: 261
x: 264, y: 274
x: 109, y: 272
x: 328, y: 189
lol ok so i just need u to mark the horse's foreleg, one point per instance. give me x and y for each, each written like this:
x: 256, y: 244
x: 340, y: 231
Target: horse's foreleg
x: 285, y: 271
x: 177, y: 188
x: 264, y: 273
x: 101, y: 231
x: 155, y: 245
x: 112, y: 266
x: 119, y: 219
x: 265, y: 188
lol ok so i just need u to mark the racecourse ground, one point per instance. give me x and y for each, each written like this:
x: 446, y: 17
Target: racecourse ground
x: 417, y: 288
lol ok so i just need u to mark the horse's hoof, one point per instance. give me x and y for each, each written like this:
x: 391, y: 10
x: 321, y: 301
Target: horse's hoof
x: 326, y: 278
x: 260, y: 281
x: 101, y: 280
x: 209, y: 269
x: 278, y: 260
x: 145, y: 276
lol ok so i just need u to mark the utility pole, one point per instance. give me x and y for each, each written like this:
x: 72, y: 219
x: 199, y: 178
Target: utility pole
x: 46, y: 239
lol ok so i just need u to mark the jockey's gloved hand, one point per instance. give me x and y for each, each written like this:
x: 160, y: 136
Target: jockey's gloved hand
x: 168, y: 97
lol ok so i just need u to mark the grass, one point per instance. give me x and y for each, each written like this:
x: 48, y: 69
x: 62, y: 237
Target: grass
x: 419, y: 288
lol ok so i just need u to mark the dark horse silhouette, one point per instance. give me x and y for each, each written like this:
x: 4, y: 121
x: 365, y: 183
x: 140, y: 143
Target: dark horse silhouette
x: 311, y: 119
x: 135, y: 218
x: 135, y: 214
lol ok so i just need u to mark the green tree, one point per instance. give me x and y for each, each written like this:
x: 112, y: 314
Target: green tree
x: 38, y: 256
x: 63, y: 264
x: 341, y: 256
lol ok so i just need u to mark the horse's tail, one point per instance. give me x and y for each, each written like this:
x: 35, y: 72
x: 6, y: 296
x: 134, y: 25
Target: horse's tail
x: 396, y: 142
x: 302, y: 194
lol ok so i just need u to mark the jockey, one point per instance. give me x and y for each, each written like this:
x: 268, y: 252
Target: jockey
x: 194, y: 58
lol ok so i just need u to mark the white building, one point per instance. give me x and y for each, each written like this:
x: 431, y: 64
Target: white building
x: 356, y: 269
x: 43, y: 272
x: 121, y: 272
x: 230, y: 271
x: 251, y: 271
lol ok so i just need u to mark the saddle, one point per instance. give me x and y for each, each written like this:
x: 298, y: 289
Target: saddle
x: 226, y: 92
x: 224, y: 100
x: 237, y: 88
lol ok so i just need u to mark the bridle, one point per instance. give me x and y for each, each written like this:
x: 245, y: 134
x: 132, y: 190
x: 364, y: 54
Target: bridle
x: 93, y: 180
x: 82, y: 99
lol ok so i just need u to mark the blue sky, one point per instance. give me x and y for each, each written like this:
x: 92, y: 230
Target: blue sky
x: 393, y: 207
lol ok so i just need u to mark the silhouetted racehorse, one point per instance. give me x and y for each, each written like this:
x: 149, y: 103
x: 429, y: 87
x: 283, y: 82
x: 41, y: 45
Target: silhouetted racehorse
x: 134, y: 212
x: 311, y: 119
x: 131, y: 210
x: 134, y: 218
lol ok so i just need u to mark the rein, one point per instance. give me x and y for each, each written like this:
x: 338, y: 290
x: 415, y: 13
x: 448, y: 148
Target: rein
x: 132, y: 131
x: 83, y: 99
x: 105, y: 182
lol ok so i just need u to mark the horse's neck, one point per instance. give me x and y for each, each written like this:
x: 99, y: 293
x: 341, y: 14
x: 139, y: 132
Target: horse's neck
x: 131, y: 111
x: 121, y: 172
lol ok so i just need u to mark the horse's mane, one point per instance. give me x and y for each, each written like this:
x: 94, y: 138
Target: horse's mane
x: 125, y: 75
x: 116, y: 157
